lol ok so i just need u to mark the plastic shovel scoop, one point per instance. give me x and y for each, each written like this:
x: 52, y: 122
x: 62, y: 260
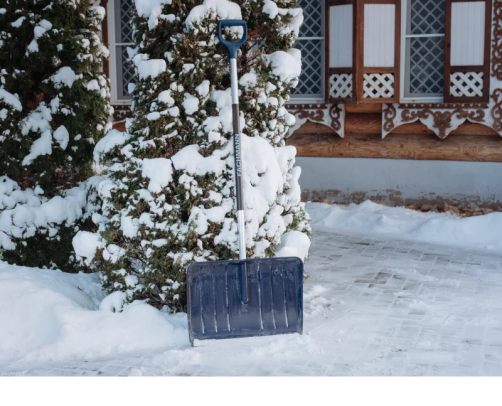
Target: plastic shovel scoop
x: 244, y: 297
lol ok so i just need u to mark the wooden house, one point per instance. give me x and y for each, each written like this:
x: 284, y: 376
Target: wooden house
x: 399, y: 100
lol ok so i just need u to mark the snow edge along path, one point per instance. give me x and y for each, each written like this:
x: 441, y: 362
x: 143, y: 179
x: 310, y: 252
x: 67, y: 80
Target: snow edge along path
x: 48, y: 315
x: 481, y: 232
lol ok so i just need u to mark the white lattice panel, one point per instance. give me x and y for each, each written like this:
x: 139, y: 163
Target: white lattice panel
x: 466, y: 84
x: 378, y: 85
x: 340, y: 86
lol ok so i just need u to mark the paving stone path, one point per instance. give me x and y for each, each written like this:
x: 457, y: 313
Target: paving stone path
x: 373, y: 306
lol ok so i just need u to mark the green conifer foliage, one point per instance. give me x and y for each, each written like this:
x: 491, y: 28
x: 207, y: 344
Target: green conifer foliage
x: 170, y: 196
x: 54, y: 107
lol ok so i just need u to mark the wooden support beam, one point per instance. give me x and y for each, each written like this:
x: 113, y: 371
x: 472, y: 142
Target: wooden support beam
x: 119, y: 126
x: 460, y: 147
x: 363, y: 108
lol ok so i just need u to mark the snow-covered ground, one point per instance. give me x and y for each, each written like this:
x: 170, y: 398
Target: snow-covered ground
x: 481, y: 232
x: 390, y: 292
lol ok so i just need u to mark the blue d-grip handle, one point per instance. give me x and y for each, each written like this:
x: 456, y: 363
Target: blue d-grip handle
x: 232, y: 46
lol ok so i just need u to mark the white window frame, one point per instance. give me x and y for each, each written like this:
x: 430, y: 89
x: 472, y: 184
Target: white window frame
x: 112, y: 44
x: 404, y: 37
x: 305, y: 99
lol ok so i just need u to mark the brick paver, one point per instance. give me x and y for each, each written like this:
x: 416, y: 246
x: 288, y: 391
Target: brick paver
x: 415, y: 309
x: 373, y: 306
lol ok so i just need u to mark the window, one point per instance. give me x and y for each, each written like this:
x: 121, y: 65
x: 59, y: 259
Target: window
x: 364, y: 45
x: 120, y: 37
x: 423, y: 61
x: 311, y: 43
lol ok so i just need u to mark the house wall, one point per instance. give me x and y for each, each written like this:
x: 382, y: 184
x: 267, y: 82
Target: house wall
x: 363, y: 139
x: 470, y: 142
x: 402, y: 182
x: 410, y: 166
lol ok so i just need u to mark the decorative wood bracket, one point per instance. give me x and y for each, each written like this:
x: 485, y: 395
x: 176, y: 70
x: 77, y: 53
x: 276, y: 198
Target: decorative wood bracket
x: 121, y: 112
x: 442, y: 118
x: 331, y: 115
x: 496, y: 111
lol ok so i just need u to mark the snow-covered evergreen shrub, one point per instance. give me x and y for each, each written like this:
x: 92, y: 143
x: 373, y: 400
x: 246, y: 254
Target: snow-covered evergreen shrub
x: 53, y: 108
x: 170, y: 195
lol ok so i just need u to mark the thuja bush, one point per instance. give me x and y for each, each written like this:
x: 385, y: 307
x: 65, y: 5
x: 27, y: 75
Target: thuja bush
x: 170, y: 198
x: 53, y: 109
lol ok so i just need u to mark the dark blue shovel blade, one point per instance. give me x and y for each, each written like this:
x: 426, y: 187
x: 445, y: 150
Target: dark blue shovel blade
x: 274, y: 304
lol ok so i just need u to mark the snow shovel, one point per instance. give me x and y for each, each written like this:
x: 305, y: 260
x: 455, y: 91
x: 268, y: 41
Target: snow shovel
x: 245, y: 297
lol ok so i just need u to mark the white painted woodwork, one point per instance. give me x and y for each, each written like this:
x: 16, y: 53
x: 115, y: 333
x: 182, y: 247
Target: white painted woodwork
x: 378, y: 85
x: 468, y: 33
x: 340, y: 36
x: 340, y: 86
x: 466, y: 84
x: 379, y: 35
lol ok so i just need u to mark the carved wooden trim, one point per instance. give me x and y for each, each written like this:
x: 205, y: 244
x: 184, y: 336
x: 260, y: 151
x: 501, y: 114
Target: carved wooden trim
x: 497, y: 110
x: 331, y: 115
x: 121, y: 112
x: 497, y: 40
x: 443, y: 106
x: 440, y: 118
x: 306, y: 106
x: 316, y: 116
x: 337, y: 117
x: 389, y: 114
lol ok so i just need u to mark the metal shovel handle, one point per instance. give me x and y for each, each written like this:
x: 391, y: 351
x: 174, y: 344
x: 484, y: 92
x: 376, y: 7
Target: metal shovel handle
x: 232, y: 46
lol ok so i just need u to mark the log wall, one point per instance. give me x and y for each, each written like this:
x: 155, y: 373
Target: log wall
x: 119, y: 126
x: 363, y: 139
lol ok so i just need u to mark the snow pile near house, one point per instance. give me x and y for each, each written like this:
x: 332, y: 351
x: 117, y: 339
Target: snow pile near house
x: 481, y: 232
x: 294, y: 244
x: 50, y: 315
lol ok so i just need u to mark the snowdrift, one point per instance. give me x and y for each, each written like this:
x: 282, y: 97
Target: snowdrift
x: 48, y: 315
x: 51, y: 315
x: 482, y: 232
